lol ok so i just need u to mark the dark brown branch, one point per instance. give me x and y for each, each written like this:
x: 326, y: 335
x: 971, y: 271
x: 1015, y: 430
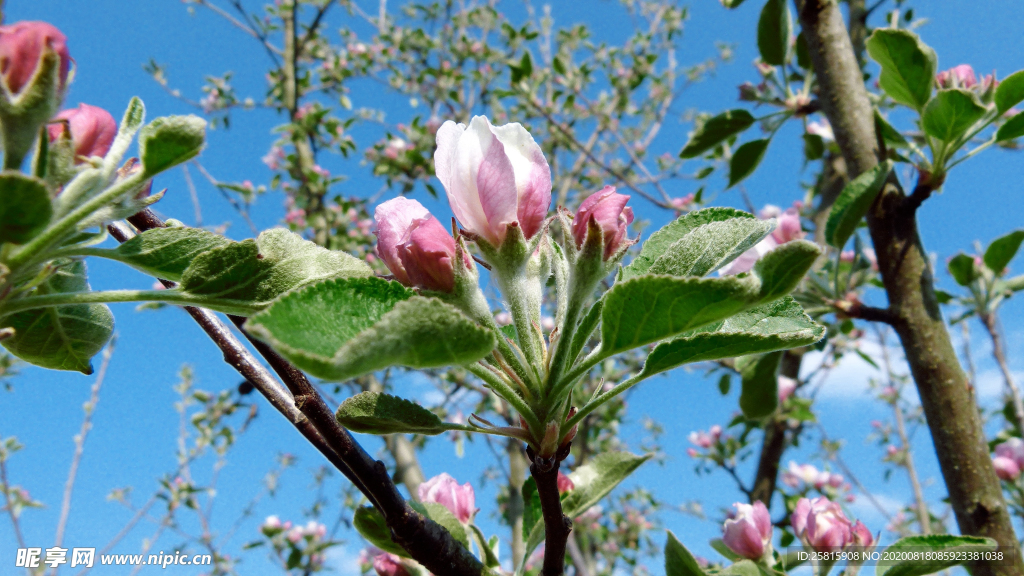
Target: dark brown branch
x: 557, y: 525
x: 425, y: 540
x: 957, y: 434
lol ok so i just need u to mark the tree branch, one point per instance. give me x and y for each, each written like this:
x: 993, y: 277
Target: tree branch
x: 959, y: 440
x: 425, y: 540
x: 557, y: 525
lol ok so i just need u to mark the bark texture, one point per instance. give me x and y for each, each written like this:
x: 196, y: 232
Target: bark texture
x: 953, y: 420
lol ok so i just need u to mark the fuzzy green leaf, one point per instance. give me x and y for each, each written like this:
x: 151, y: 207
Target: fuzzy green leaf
x: 61, y: 337
x: 890, y: 135
x: 648, y: 309
x: 1002, y: 250
x: 934, y: 543
x: 745, y: 160
x: 715, y: 131
x: 663, y: 240
x: 908, y: 66
x: 1010, y: 92
x: 370, y: 524
x: 773, y: 30
x: 438, y: 513
x: 258, y: 271
x: 166, y: 142
x: 711, y: 246
x: 376, y: 413
x: 779, y: 325
x: 340, y: 329
x: 166, y: 252
x: 951, y: 113
x: 961, y: 268
x: 132, y: 120
x: 678, y: 560
x: 25, y: 207
x: 760, y: 384
x: 1012, y: 128
x: 853, y: 204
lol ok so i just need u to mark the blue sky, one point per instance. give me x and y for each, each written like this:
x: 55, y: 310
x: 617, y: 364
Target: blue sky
x: 135, y: 425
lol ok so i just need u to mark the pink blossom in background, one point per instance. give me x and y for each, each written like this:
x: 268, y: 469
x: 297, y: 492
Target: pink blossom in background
x: 822, y: 524
x: 1006, y: 468
x: 564, y: 483
x: 821, y: 128
x: 749, y: 532
x: 608, y: 209
x: 787, y: 386
x: 444, y: 490
x: 961, y: 76
x: 387, y: 564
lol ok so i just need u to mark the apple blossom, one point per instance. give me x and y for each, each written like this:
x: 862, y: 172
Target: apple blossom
x: 1012, y: 449
x: 415, y: 246
x: 1006, y: 468
x: 495, y: 176
x: 862, y: 536
x: 92, y: 130
x: 444, y: 490
x: 565, y: 484
x: 21, y: 48
x: 786, y: 386
x: 387, y: 564
x: 749, y: 533
x: 822, y: 524
x: 961, y: 76
x: 608, y: 209
x: 821, y: 128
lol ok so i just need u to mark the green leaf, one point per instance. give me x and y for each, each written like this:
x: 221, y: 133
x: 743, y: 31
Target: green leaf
x: 678, y: 560
x: 908, y: 66
x: 724, y: 550
x: 166, y: 252
x: 343, y: 328
x: 745, y: 160
x: 961, y: 268
x: 169, y: 141
x: 593, y: 481
x: 760, y: 381
x: 724, y: 384
x: 377, y: 413
x: 647, y: 309
x: 803, y: 53
x: 663, y: 240
x: 853, y: 204
x: 370, y: 524
x: 731, y: 3
x: 1010, y: 92
x: 438, y: 513
x: 532, y: 512
x: 951, y: 113
x: 741, y: 568
x: 132, y: 120
x: 711, y: 246
x: 890, y: 135
x: 773, y: 29
x: 1015, y: 284
x: 488, y: 551
x: 1012, y: 128
x: 716, y: 130
x: 258, y: 271
x: 584, y: 330
x: 1002, y: 250
x: 934, y: 543
x: 814, y: 147
x: 25, y: 207
x: 779, y: 325
x: 61, y: 337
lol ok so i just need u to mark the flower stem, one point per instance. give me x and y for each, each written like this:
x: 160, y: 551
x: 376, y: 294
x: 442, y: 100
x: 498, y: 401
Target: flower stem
x: 239, y: 307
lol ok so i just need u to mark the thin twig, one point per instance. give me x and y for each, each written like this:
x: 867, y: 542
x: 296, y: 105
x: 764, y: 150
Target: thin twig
x: 193, y: 195
x: 90, y: 408
x: 8, y: 504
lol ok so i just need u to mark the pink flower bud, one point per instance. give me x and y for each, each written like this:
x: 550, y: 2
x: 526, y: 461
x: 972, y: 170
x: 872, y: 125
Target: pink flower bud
x: 787, y: 386
x: 608, y: 209
x: 296, y: 534
x: 749, y: 532
x: 444, y: 490
x: 564, y: 483
x: 692, y: 452
x: 388, y: 564
x: 415, y: 245
x: 1012, y: 449
x: 21, y: 48
x: 1006, y: 468
x: 788, y: 226
x: 92, y: 130
x: 272, y: 522
x: 861, y: 535
x: 494, y: 176
x: 821, y: 524
x: 961, y: 76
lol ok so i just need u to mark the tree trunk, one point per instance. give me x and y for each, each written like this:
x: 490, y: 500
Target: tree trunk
x: 974, y: 490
